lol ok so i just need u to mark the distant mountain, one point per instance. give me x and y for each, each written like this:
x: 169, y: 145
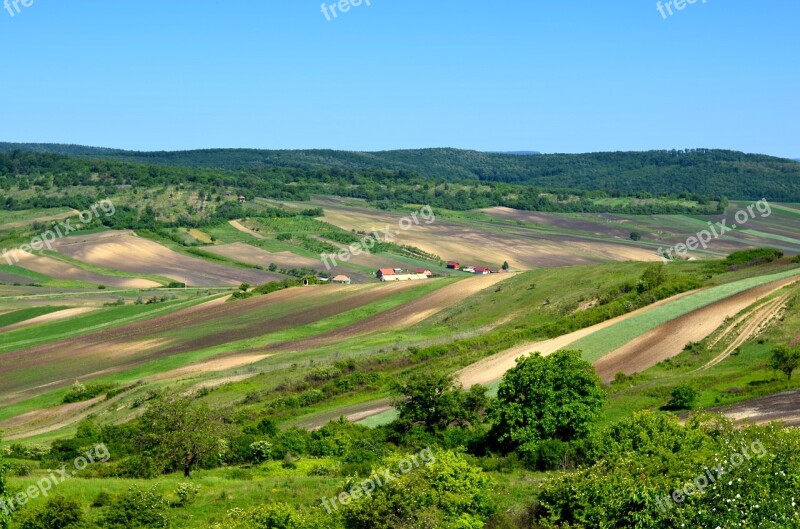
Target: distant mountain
x: 708, y: 172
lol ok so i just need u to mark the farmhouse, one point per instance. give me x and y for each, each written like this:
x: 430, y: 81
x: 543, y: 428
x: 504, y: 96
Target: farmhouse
x: 423, y: 271
x: 341, y: 280
x: 242, y: 199
x: 482, y: 270
x: 384, y: 272
x: 453, y: 265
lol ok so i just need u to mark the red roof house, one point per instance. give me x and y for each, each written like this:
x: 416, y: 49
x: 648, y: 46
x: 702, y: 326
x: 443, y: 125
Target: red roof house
x: 453, y: 265
x: 385, y: 272
x: 482, y: 270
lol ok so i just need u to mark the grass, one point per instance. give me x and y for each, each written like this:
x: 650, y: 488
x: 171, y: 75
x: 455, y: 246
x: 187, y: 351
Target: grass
x: 26, y: 314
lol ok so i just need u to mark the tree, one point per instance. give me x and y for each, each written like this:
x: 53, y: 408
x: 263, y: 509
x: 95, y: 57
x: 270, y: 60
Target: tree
x: 181, y: 433
x: 436, y: 401
x: 505, y: 265
x: 555, y: 397
x: 682, y: 397
x: 654, y: 276
x: 785, y: 359
x: 57, y: 513
x: 636, y: 236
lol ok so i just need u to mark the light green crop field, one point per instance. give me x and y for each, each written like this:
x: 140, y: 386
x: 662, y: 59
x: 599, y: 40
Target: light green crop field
x: 606, y: 340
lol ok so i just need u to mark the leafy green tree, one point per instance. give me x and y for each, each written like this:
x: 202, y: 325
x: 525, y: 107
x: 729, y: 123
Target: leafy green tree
x: 137, y: 508
x: 505, y: 265
x: 434, y: 400
x: 181, y: 433
x: 785, y: 359
x: 555, y: 397
x: 654, y: 276
x: 636, y: 236
x: 682, y: 397
x: 447, y: 493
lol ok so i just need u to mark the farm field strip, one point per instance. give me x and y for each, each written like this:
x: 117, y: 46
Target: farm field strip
x: 125, y: 348
x: 669, y: 339
x: 46, y: 318
x: 610, y: 339
x: 123, y: 250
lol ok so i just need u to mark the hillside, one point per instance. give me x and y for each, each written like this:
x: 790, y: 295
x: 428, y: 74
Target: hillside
x: 709, y: 172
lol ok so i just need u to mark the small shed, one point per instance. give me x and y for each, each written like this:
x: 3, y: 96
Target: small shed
x: 341, y: 280
x: 423, y: 271
x: 453, y: 265
x: 242, y: 199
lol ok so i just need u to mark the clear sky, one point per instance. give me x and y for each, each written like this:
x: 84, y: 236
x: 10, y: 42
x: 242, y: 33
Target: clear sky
x: 547, y: 75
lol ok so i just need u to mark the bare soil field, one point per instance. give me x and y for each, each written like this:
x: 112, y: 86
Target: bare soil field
x: 10, y: 279
x: 473, y: 243
x: 492, y: 369
x: 245, y: 253
x: 123, y: 250
x: 783, y: 407
x: 400, y: 317
x: 207, y: 325
x: 61, y: 270
x: 668, y: 340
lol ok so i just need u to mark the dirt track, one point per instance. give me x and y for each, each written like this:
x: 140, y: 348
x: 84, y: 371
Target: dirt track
x: 668, y: 340
x: 244, y: 229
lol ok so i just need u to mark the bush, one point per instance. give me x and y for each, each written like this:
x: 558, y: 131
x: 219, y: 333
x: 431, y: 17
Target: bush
x: 261, y: 451
x: 682, y: 397
x: 186, y: 494
x: 57, y: 513
x: 137, y: 508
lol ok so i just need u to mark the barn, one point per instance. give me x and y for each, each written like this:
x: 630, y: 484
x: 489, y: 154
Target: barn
x: 341, y: 280
x: 482, y: 270
x: 453, y: 265
x: 423, y: 271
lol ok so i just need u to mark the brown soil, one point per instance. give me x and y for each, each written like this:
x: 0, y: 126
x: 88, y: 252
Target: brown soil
x: 61, y: 270
x: 783, y: 407
x: 126, y: 347
x: 668, y: 340
x: 493, y: 368
x: 245, y: 253
x: 123, y: 250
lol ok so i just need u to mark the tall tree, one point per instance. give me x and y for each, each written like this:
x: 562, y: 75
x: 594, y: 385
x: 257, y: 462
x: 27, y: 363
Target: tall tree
x: 555, y: 397
x: 181, y: 433
x: 785, y: 359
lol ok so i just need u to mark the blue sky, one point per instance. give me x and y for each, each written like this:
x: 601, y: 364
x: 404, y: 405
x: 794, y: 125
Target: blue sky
x: 554, y: 76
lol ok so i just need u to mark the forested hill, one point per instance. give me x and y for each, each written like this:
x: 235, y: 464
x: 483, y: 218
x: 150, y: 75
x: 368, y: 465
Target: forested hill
x: 708, y: 172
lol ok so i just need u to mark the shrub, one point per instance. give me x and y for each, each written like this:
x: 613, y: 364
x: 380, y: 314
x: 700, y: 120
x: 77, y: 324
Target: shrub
x: 137, y: 508
x: 57, y: 513
x: 261, y: 451
x: 682, y: 397
x: 186, y: 494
